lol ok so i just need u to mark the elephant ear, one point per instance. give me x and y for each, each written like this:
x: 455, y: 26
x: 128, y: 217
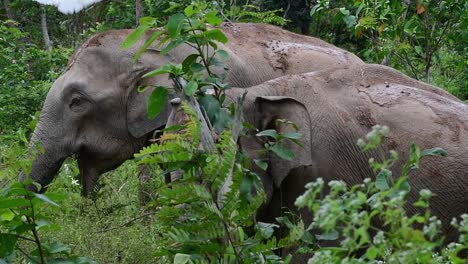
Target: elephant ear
x: 272, y: 108
x: 138, y: 122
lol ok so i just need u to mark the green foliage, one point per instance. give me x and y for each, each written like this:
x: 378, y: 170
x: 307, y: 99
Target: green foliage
x: 369, y: 222
x: 204, y: 214
x: 26, y: 75
x: 423, y: 38
x: 22, y: 219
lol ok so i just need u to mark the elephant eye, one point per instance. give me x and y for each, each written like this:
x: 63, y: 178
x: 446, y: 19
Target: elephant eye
x: 75, y: 102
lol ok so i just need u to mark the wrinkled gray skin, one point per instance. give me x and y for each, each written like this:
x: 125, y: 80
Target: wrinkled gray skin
x: 334, y: 108
x: 94, y: 111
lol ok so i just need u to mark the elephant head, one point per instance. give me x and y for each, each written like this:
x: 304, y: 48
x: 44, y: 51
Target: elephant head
x: 95, y: 112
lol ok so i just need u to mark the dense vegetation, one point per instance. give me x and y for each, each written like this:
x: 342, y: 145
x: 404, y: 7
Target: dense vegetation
x: 425, y: 39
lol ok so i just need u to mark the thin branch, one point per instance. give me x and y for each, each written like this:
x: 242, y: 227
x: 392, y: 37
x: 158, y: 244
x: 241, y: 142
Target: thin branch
x: 124, y: 224
x: 22, y: 237
x: 26, y: 254
x: 32, y: 221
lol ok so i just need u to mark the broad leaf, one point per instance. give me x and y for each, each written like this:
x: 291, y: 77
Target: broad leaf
x: 261, y: 164
x: 381, y: 181
x: 180, y: 258
x: 212, y: 18
x: 211, y: 106
x: 222, y: 54
x: 268, y: 133
x: 14, y: 202
x: 190, y: 88
x: 174, y: 25
x: 330, y: 235
x: 283, y: 153
x: 7, y: 245
x: 45, y: 199
x: 434, y: 152
x: 148, y: 42
x: 145, y: 24
x: 292, y: 135
x: 157, y: 101
x: 161, y: 70
x: 216, y: 34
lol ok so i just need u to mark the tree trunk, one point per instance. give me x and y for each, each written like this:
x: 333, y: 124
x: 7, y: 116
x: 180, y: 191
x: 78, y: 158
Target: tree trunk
x: 45, y: 31
x: 139, y: 10
x: 9, y: 13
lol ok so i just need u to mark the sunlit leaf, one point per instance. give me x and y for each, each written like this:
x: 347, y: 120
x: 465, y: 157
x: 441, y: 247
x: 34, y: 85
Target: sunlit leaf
x: 174, y: 25
x: 157, y: 101
x: 216, y: 34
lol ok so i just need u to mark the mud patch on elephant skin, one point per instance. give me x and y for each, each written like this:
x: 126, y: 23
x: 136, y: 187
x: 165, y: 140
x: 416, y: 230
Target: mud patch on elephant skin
x: 364, y: 117
x: 452, y: 124
x: 275, y: 55
x: 234, y: 29
x: 277, y: 52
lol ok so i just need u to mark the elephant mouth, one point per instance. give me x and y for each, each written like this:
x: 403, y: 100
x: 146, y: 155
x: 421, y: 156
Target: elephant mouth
x: 91, y: 168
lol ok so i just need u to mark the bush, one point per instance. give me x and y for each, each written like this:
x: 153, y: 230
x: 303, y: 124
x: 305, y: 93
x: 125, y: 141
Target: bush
x: 27, y: 74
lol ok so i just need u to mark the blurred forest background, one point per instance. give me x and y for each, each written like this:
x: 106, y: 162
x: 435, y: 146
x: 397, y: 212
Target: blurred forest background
x: 425, y: 39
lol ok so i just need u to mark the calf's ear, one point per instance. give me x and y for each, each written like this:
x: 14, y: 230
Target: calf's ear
x: 270, y: 109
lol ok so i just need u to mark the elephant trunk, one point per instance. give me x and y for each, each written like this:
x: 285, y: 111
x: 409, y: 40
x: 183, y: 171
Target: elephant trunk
x: 46, y: 158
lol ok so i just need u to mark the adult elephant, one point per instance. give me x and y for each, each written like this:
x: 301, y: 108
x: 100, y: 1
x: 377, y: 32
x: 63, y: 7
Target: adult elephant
x: 93, y: 109
x: 334, y: 108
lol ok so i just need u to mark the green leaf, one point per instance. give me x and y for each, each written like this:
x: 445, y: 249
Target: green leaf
x: 434, y: 152
x: 148, y: 42
x: 197, y: 67
x: 381, y: 181
x: 261, y: 164
x: 265, y: 229
x: 147, y: 21
x: 57, y: 247
x: 187, y: 63
x: 221, y: 119
x: 212, y: 18
x: 45, y: 199
x: 180, y: 258
x: 8, y: 215
x: 157, y: 101
x: 133, y: 37
x: 283, y: 153
x: 189, y: 11
x: 161, y: 70
x: 13, y: 202
x: 292, y: 135
x: 172, y: 45
x: 222, y: 54
x: 216, y: 34
x: 211, y: 105
x: 372, y: 252
x: 330, y: 235
x: 268, y: 133
x: 174, y: 25
x: 190, y: 88
x: 7, y: 245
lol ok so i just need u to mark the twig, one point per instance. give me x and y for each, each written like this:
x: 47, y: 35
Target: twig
x: 124, y: 224
x: 26, y: 254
